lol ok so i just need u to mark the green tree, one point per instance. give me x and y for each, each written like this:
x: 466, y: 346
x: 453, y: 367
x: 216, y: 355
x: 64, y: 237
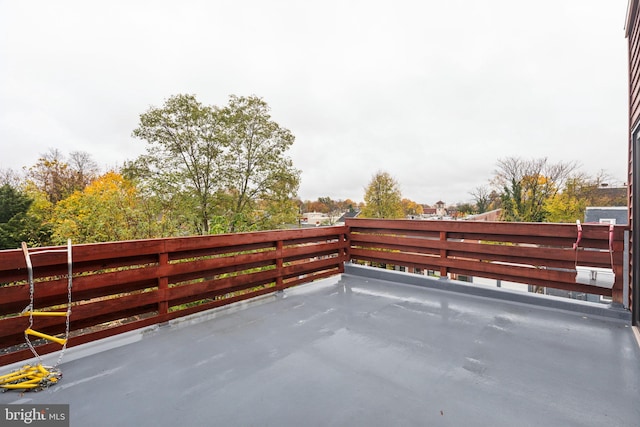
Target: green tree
x: 279, y: 209
x: 382, y: 197
x: 465, y: 209
x: 184, y: 154
x: 39, y: 217
x: 13, y: 216
x: 224, y: 168
x: 19, y: 220
x: 161, y: 196
x: 256, y: 168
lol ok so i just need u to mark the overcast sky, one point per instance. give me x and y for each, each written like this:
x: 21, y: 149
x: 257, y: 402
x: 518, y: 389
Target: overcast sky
x: 431, y: 91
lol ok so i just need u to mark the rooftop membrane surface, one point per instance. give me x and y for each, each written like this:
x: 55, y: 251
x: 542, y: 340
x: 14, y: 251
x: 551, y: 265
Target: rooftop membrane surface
x: 359, y: 351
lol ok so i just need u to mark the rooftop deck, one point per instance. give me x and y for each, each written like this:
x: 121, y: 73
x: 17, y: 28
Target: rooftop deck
x: 357, y: 350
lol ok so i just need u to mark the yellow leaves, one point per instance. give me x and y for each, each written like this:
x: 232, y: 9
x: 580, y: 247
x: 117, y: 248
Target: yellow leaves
x: 104, y: 211
x: 565, y: 207
x: 411, y: 208
x: 383, y: 197
x: 108, y: 184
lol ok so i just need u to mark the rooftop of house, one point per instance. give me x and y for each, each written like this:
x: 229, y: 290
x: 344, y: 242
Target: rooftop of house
x: 352, y: 213
x: 368, y: 347
x: 611, y: 214
x: 612, y: 192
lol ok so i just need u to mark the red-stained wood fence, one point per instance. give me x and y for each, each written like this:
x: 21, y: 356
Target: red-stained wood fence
x: 121, y: 286
x: 529, y: 253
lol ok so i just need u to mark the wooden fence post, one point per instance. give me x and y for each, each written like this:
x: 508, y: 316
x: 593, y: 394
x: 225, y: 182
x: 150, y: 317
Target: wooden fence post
x: 163, y: 284
x: 344, y: 252
x: 279, y: 265
x: 443, y: 254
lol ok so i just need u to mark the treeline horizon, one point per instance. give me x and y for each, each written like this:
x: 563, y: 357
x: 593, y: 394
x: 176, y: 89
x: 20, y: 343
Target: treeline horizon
x: 225, y: 169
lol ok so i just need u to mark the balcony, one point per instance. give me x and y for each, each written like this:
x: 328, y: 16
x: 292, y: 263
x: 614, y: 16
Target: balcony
x: 216, y: 330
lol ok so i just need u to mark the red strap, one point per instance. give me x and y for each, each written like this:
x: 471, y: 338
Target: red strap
x: 611, y: 237
x: 575, y: 245
x: 611, y: 245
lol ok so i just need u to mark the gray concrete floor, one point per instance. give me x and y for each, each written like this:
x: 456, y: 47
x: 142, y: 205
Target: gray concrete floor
x: 358, y: 351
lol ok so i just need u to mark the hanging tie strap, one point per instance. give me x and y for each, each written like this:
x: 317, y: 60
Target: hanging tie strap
x: 611, y: 246
x: 575, y: 245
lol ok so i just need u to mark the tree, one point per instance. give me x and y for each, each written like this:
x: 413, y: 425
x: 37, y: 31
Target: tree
x: 256, y: 168
x: 19, y: 220
x: 106, y: 210
x: 527, y: 185
x: 482, y: 198
x: 184, y: 154
x: 567, y: 206
x: 580, y: 191
x: 279, y: 209
x: 84, y: 169
x: 411, y: 208
x: 159, y: 197
x: 464, y: 209
x: 328, y: 205
x: 382, y: 197
x: 324, y: 205
x: 224, y: 165
x: 10, y: 177
x: 315, y: 206
x: 59, y: 178
x: 349, y: 205
x: 13, y: 216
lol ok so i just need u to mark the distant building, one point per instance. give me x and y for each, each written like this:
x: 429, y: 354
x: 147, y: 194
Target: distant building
x: 315, y: 219
x: 427, y: 211
x: 438, y: 212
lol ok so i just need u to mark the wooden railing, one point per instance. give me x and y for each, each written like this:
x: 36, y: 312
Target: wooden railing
x: 529, y: 253
x: 121, y: 286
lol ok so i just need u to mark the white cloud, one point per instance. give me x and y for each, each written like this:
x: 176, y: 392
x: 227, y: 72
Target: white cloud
x: 432, y: 92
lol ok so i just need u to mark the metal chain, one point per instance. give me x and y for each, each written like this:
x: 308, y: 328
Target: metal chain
x: 30, y: 306
x: 39, y: 377
x: 69, y: 284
